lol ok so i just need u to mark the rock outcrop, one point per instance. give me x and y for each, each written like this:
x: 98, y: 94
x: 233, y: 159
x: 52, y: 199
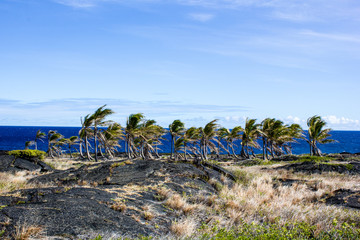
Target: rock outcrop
x: 119, y: 198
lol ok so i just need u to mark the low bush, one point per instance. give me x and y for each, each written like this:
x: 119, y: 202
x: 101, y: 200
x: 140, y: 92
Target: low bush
x: 28, y: 154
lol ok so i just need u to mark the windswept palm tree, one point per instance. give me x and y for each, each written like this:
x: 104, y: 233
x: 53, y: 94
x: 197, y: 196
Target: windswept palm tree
x: 295, y: 132
x: 208, y: 137
x: 277, y: 136
x: 39, y: 136
x: 73, y: 140
x: 110, y: 138
x: 234, y: 135
x: 54, y: 143
x: 148, y: 135
x: 249, y: 137
x: 132, y: 129
x: 98, y: 120
x: 317, y: 134
x: 223, y: 134
x: 175, y: 129
x: 273, y: 133
x: 28, y: 144
x: 178, y: 146
x: 84, y: 134
x: 191, y: 135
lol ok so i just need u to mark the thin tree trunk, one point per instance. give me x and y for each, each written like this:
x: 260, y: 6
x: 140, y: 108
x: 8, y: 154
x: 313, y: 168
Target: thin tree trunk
x: 95, y: 143
x: 264, y: 149
x: 172, y: 145
x: 87, y: 148
x: 80, y: 148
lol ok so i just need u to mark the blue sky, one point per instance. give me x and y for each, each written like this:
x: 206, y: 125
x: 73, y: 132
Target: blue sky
x: 193, y: 60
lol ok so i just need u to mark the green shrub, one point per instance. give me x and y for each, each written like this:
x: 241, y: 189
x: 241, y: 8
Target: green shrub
x: 315, y: 159
x: 243, y: 177
x: 28, y: 154
x: 273, y: 231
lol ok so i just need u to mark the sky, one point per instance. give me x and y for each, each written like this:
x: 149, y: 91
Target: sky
x: 193, y: 60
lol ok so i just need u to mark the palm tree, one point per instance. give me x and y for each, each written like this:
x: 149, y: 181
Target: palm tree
x: 85, y: 133
x: 274, y: 134
x: 71, y: 142
x: 295, y: 132
x: 148, y: 136
x: 234, y: 135
x: 98, y: 119
x: 178, y: 145
x: 223, y: 134
x: 28, y: 144
x: 133, y: 125
x: 249, y: 137
x: 39, y: 136
x: 317, y: 134
x: 110, y: 138
x: 190, y: 136
x: 175, y: 129
x: 208, y: 135
x: 54, y: 146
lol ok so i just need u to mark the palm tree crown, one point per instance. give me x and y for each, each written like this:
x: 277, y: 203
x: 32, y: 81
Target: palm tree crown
x: 317, y: 134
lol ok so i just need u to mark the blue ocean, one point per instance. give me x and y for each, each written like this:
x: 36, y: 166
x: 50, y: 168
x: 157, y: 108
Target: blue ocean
x: 14, y: 137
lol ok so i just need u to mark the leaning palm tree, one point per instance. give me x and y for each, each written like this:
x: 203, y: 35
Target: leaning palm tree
x: 148, y: 136
x: 28, y: 144
x: 110, y: 138
x: 190, y: 136
x: 73, y: 140
x: 98, y: 119
x: 175, y: 129
x: 85, y: 133
x: 317, y: 134
x: 39, y: 136
x: 133, y: 125
x: 208, y: 137
x: 234, y: 135
x: 249, y: 137
x: 274, y: 134
x: 55, y: 141
x: 295, y: 132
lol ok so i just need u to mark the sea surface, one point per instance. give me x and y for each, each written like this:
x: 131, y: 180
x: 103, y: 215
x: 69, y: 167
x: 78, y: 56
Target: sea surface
x: 14, y: 137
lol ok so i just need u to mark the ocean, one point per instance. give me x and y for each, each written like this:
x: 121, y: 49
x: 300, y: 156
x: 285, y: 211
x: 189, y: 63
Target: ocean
x: 14, y: 137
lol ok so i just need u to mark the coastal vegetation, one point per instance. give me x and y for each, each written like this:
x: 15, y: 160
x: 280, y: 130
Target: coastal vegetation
x: 99, y: 137
x: 212, y: 185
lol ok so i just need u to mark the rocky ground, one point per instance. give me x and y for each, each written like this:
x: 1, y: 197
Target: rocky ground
x: 129, y: 198
x: 109, y: 198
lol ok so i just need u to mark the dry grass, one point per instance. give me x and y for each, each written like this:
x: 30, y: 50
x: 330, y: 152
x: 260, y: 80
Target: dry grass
x: 176, y: 202
x: 10, y: 182
x: 260, y: 201
x: 183, y: 228
x: 118, y: 205
x: 26, y: 231
x: 64, y: 163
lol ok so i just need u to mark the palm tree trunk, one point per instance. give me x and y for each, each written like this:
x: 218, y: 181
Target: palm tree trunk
x: 185, y: 151
x: 233, y: 151
x: 172, y: 145
x: 80, y: 148
x: 87, y: 148
x: 264, y: 149
x: 95, y: 144
x: 70, y: 151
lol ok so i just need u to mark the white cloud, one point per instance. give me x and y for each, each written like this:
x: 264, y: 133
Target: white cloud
x: 67, y: 112
x: 78, y: 3
x: 201, y: 17
x: 340, y: 120
x: 332, y: 121
x: 330, y: 36
x: 293, y: 119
